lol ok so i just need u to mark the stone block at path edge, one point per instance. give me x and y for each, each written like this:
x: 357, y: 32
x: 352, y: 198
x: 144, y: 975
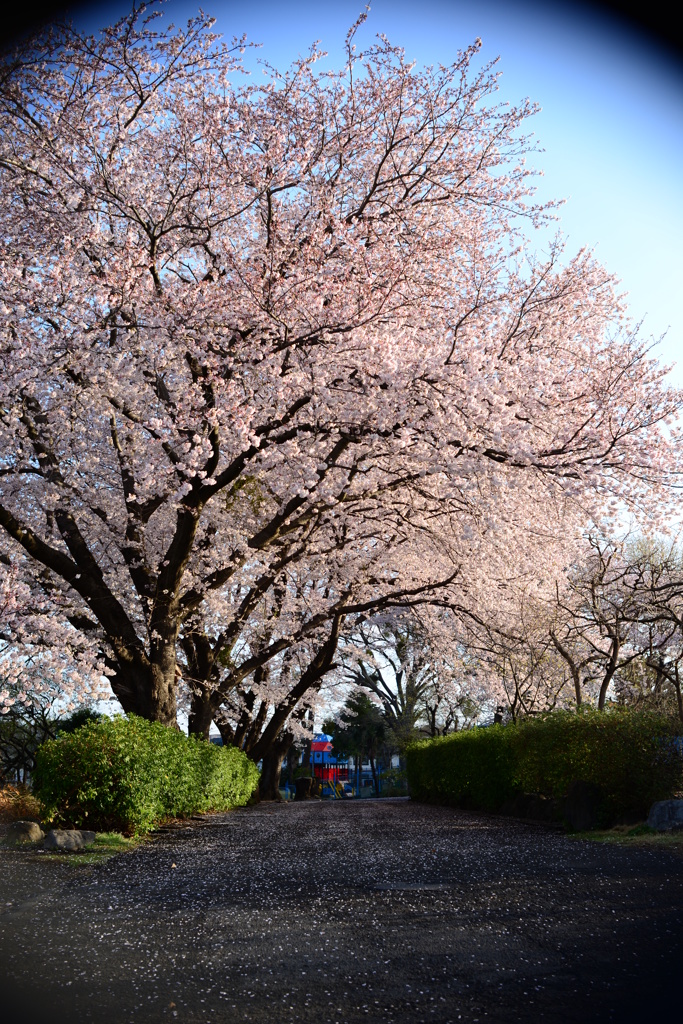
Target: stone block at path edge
x: 666, y: 815
x: 24, y: 832
x: 68, y: 840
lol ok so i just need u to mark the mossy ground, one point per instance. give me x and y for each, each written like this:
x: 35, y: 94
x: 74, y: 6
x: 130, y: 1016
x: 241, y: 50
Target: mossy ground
x: 634, y: 835
x: 106, y: 845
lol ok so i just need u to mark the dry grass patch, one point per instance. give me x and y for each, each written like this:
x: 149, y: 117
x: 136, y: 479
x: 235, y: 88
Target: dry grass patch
x: 18, y: 803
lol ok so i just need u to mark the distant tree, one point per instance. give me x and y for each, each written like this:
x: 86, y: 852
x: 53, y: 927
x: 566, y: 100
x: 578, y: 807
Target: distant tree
x: 596, y: 612
x: 392, y: 660
x: 655, y: 678
x: 447, y: 710
x: 512, y: 646
x: 31, y: 718
x: 361, y: 730
x: 77, y: 719
x: 612, y: 630
x: 417, y: 671
x: 23, y: 727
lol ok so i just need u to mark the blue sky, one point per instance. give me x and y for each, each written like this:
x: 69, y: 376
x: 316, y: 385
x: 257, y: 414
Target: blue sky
x: 611, y: 122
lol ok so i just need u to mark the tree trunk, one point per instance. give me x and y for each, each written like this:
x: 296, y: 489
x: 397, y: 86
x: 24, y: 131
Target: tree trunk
x: 130, y: 684
x: 602, y: 697
x: 148, y: 691
x: 290, y: 765
x: 306, y: 757
x: 271, y: 765
x: 161, y: 699
x: 609, y: 674
x: 577, y: 689
x: 679, y: 697
x: 227, y: 733
x: 373, y: 769
x: 573, y: 668
x: 199, y: 656
x: 201, y: 713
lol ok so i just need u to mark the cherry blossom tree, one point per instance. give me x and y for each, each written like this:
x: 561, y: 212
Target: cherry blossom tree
x: 610, y: 632
x: 278, y: 355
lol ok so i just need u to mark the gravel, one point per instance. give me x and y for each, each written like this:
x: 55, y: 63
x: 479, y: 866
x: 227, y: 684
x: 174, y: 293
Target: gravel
x: 342, y: 912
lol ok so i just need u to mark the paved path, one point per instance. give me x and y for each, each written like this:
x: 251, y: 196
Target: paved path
x: 381, y: 911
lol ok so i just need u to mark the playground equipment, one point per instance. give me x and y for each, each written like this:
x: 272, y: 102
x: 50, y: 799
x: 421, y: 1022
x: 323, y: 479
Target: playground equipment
x: 334, y: 777
x: 331, y: 772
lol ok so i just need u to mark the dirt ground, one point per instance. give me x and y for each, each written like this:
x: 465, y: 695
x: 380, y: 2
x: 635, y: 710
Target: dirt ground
x: 384, y: 911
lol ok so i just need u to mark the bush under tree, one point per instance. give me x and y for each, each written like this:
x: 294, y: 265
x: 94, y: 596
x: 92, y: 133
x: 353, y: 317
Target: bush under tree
x: 633, y: 758
x: 127, y: 774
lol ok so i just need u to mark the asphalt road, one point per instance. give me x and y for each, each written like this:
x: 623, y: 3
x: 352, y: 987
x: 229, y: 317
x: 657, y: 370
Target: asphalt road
x: 384, y: 911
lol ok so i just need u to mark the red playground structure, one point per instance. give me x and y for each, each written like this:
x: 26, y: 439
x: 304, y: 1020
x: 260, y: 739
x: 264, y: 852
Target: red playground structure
x: 331, y: 772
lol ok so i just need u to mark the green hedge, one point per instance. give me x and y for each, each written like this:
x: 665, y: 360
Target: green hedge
x: 631, y: 756
x: 127, y: 774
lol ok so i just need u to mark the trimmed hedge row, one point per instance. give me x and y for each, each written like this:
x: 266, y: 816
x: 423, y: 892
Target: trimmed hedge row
x: 127, y: 774
x: 633, y: 757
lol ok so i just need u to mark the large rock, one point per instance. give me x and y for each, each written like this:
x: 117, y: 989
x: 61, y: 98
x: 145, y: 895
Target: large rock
x: 68, y: 840
x: 666, y: 815
x: 24, y: 832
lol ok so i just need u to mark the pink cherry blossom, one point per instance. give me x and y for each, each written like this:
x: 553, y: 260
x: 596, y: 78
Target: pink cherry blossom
x: 278, y: 357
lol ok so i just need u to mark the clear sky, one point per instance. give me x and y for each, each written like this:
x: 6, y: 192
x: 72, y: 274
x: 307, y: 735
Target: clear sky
x: 611, y: 122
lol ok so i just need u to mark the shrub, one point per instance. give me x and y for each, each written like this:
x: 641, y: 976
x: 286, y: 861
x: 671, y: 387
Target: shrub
x: 631, y: 756
x: 394, y: 782
x: 472, y: 769
x: 127, y: 774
